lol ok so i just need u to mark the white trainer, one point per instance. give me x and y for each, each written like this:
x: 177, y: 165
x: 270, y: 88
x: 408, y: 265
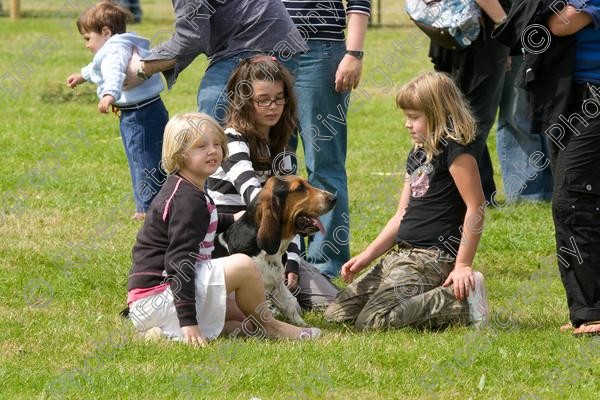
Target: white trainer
x: 478, y: 304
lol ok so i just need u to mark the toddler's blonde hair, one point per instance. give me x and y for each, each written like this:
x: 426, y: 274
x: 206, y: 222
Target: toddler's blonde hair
x: 445, y: 108
x: 182, y: 132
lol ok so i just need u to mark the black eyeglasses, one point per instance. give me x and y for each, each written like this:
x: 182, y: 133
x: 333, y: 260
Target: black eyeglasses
x: 267, y: 102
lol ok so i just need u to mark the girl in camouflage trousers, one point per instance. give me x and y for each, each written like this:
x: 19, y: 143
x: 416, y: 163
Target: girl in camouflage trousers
x: 425, y: 278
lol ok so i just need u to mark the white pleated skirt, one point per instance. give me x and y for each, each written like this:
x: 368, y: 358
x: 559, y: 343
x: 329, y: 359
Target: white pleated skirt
x: 159, y: 310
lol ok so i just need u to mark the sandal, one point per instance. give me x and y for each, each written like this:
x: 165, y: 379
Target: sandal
x: 566, y: 327
x: 590, y: 328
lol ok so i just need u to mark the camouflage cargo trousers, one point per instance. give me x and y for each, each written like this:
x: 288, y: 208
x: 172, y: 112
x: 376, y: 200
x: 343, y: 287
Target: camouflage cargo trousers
x: 403, y: 289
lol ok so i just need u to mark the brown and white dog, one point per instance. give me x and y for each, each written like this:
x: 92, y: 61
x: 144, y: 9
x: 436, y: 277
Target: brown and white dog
x: 285, y: 206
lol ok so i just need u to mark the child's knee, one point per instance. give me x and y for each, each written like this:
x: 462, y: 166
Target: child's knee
x: 363, y: 323
x: 333, y: 314
x: 245, y: 265
x: 337, y: 312
x: 240, y: 260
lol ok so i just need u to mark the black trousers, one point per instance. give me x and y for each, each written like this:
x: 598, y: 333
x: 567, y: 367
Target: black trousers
x: 479, y: 72
x: 576, y: 207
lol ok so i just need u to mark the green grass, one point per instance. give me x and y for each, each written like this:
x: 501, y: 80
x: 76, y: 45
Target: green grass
x: 65, y: 249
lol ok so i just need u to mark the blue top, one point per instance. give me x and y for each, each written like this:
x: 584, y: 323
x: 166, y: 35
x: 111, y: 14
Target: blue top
x: 109, y: 66
x: 587, y: 58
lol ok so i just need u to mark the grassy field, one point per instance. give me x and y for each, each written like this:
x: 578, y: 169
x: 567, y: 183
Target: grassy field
x: 66, y: 237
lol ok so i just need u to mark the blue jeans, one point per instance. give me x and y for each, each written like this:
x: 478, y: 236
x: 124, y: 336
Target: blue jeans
x: 134, y: 7
x: 142, y: 133
x: 524, y: 156
x: 212, y: 94
x: 323, y: 130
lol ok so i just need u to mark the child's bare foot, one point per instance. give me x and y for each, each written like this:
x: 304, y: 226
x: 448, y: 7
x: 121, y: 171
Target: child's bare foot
x: 282, y: 330
x: 139, y: 216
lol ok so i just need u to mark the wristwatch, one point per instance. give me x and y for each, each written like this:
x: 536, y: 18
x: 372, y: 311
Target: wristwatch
x: 356, y: 53
x: 141, y: 74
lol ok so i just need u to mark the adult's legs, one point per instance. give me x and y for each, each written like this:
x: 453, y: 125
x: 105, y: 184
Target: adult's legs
x: 323, y: 131
x: 134, y: 7
x: 523, y: 155
x: 484, y: 98
x: 316, y: 290
x: 576, y: 213
x: 212, y: 94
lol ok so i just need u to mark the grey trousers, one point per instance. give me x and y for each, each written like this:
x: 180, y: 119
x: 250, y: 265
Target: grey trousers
x: 315, y: 289
x: 403, y: 289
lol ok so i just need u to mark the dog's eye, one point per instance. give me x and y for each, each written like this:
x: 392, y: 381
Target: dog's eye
x: 299, y: 188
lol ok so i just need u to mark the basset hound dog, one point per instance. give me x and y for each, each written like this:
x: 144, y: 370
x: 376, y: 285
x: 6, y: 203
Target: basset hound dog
x: 285, y: 206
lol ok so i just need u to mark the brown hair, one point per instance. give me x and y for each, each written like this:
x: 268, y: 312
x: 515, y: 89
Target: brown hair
x: 105, y: 13
x: 241, y: 108
x: 446, y: 109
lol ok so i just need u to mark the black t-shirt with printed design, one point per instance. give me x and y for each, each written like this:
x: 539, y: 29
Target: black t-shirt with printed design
x: 436, y: 210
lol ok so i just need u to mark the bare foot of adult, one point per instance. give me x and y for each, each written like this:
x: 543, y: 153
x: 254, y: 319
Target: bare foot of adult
x: 589, y: 328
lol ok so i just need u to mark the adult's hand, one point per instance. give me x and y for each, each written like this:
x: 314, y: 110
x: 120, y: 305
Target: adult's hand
x: 347, y: 76
x: 131, y: 78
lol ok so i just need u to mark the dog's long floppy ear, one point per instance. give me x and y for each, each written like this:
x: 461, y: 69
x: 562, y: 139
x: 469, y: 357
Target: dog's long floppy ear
x: 269, y: 213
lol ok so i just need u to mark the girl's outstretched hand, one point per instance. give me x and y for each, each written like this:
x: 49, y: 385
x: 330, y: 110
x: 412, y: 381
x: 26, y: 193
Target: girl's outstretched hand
x: 463, y: 280
x: 193, y: 336
x: 354, y: 266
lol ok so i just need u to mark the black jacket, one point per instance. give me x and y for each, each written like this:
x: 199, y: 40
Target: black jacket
x: 549, y: 60
x: 469, y: 67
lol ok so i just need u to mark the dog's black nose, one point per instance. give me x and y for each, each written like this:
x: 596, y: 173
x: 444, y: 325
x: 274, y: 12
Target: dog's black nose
x: 332, y: 199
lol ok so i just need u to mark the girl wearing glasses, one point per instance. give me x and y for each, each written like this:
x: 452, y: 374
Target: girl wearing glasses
x: 260, y: 120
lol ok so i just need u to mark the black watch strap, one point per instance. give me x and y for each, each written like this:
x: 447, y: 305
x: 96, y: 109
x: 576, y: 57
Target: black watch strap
x: 356, y: 53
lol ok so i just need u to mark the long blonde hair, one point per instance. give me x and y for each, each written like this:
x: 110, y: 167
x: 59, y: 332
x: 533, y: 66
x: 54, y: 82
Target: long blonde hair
x: 181, y: 132
x: 445, y: 108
